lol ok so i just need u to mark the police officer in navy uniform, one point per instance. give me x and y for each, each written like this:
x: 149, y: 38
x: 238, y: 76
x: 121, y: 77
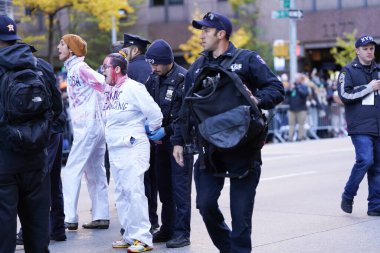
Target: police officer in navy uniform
x: 139, y: 70
x: 267, y: 91
x: 135, y: 48
x: 165, y: 85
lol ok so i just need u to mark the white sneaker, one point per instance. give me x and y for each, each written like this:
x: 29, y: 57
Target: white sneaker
x: 139, y: 247
x: 120, y: 244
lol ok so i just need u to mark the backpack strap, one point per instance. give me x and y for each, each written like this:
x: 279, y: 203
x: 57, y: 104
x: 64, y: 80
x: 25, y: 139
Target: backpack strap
x: 226, y: 63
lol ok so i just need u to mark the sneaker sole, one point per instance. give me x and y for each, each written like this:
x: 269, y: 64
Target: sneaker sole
x: 137, y: 251
x: 96, y: 227
x: 121, y: 246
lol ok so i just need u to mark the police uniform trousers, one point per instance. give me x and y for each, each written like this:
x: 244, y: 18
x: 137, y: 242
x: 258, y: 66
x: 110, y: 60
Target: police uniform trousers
x: 174, y: 188
x: 86, y: 156
x: 242, y: 196
x: 150, y: 182
x: 128, y: 166
x: 28, y: 195
x: 57, y: 215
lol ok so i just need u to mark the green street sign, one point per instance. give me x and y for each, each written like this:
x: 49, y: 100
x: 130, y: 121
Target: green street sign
x: 285, y: 4
x: 280, y: 14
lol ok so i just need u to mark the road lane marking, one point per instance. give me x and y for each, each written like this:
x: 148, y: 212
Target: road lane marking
x: 272, y: 156
x: 288, y: 175
x: 283, y: 176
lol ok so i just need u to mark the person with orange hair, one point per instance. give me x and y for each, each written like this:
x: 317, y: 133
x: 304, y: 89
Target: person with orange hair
x: 88, y: 148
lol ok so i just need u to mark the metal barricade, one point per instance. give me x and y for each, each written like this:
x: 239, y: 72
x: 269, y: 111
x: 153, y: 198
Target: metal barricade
x: 331, y: 121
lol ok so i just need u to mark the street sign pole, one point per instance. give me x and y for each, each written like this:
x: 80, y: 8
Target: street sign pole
x: 292, y: 44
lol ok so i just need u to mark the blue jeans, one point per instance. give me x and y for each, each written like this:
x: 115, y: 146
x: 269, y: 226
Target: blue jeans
x: 367, y: 150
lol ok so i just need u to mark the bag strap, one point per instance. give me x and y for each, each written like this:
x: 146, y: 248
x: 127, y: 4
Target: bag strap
x: 226, y: 63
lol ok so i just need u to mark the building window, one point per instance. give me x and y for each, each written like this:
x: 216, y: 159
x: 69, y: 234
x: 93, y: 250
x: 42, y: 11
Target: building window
x: 162, y: 2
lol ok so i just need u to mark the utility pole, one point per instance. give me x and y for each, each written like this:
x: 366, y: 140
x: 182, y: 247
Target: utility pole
x: 166, y: 9
x: 292, y: 44
x: 113, y: 30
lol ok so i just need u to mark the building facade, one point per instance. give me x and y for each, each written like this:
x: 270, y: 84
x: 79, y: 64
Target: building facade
x: 323, y: 21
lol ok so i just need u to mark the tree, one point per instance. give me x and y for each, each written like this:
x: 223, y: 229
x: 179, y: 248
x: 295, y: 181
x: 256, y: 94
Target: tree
x: 247, y: 13
x: 102, y: 10
x: 344, y: 52
x: 245, y: 36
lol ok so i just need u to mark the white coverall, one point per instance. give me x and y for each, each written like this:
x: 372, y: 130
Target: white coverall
x: 127, y: 107
x: 88, y: 149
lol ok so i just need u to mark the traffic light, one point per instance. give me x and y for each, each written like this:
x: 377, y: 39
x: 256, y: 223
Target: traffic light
x: 281, y: 49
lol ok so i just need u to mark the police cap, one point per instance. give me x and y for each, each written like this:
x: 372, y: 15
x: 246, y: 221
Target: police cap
x: 214, y: 20
x: 135, y: 40
x: 364, y: 40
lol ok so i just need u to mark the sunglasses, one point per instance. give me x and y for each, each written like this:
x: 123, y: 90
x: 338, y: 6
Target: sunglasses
x: 214, y: 18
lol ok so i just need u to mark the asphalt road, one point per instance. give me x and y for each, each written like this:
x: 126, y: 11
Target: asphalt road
x: 297, y: 208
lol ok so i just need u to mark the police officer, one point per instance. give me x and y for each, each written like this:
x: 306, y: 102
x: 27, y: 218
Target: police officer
x: 174, y: 183
x: 267, y: 91
x: 135, y: 48
x: 139, y: 70
x: 358, y: 88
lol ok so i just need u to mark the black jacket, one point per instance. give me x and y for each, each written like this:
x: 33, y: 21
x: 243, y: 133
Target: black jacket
x: 18, y: 56
x: 353, y: 87
x: 297, y: 97
x: 252, y: 70
x: 139, y: 69
x: 59, y: 115
x: 261, y: 81
x: 167, y: 92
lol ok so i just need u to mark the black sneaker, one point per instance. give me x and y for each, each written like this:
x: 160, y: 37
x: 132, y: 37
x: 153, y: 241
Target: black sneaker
x: 97, y: 224
x: 71, y: 226
x: 178, y: 242
x: 19, y: 239
x: 160, y: 236
x: 58, y: 238
x: 375, y: 212
x: 346, y: 205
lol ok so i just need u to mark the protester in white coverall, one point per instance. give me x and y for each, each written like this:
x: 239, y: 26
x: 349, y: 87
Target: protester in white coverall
x: 87, y: 152
x: 127, y: 109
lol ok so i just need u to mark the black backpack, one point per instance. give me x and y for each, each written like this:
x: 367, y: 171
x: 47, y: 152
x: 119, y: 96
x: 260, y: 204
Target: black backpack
x: 226, y: 116
x: 26, y: 105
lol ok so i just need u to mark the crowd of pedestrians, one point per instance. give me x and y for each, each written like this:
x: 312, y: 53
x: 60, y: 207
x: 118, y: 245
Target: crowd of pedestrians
x: 129, y: 114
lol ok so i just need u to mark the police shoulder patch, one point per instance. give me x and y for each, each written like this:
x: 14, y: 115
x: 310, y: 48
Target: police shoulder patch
x: 342, y: 76
x: 260, y: 59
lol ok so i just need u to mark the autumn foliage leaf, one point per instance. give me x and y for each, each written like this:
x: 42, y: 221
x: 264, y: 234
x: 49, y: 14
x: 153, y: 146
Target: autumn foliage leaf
x: 101, y: 10
x: 344, y: 51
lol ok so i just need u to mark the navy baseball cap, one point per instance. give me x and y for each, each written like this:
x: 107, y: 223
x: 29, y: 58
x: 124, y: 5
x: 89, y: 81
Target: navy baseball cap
x: 8, y: 30
x: 135, y: 40
x: 364, y: 40
x: 214, y: 20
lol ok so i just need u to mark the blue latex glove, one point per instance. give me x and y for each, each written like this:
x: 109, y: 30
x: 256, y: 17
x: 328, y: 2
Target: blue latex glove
x: 157, y: 135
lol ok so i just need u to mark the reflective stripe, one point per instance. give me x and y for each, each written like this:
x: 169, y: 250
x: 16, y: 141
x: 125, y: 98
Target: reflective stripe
x: 363, y: 91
